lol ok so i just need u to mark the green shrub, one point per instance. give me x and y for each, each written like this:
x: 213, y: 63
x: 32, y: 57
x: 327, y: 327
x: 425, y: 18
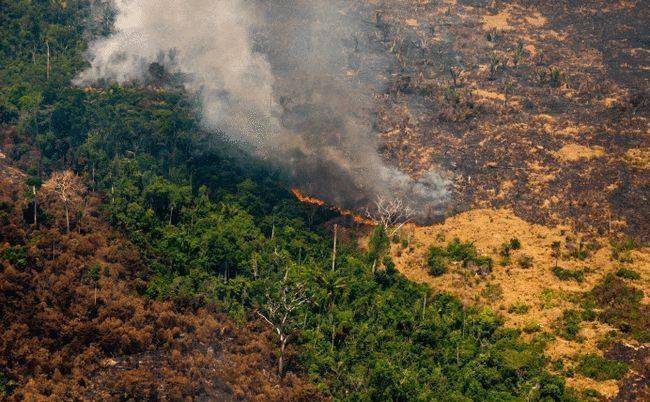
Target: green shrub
x: 515, y: 244
x: 588, y: 315
x: 532, y: 327
x: 601, y: 369
x: 577, y: 275
x: 555, y: 77
x: 459, y: 251
x: 6, y: 386
x: 628, y: 274
x: 437, y: 265
x: 483, y: 265
x: 518, y: 308
x: 548, y: 298
x: 94, y: 272
x: 569, y: 324
x: 438, y: 258
x: 504, y: 250
x: 17, y: 256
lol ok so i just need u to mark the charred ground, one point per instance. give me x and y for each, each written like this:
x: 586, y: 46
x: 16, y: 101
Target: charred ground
x: 538, y: 106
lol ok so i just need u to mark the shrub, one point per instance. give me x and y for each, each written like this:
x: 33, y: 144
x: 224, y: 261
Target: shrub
x: 579, y: 253
x: 515, y: 244
x: 459, y: 251
x: 621, y: 250
x: 622, y: 307
x: 601, y: 369
x: 588, y: 315
x: 482, y: 265
x: 549, y: 298
x: 15, y: 255
x: 504, y: 251
x: 555, y: 77
x: 437, y: 265
x: 628, y: 274
x: 492, y: 292
x: 518, y: 308
x: 577, y: 275
x: 525, y: 261
x: 569, y: 324
x: 465, y: 252
x: 532, y: 327
x: 6, y: 386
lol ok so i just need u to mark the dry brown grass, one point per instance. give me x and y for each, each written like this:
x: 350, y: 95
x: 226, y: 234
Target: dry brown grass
x: 488, y: 229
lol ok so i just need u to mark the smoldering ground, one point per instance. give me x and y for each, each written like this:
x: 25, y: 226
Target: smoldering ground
x: 293, y: 80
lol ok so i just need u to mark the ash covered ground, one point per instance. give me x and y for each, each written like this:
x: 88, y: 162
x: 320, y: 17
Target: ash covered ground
x: 539, y: 106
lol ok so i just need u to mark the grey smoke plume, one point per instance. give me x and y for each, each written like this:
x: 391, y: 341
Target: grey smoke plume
x: 293, y: 79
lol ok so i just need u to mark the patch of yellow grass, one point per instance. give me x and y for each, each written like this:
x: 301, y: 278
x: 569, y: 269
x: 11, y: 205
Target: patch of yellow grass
x: 575, y: 152
x: 488, y: 229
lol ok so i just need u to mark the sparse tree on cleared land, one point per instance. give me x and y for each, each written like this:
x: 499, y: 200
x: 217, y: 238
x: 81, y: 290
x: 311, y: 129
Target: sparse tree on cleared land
x: 66, y: 189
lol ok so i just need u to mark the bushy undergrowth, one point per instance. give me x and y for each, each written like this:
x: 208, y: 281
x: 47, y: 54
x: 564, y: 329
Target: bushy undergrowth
x: 438, y: 258
x: 628, y: 274
x: 600, y: 368
x: 621, y: 307
x: 563, y: 274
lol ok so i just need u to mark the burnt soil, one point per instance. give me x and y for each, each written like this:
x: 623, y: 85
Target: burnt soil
x: 537, y: 106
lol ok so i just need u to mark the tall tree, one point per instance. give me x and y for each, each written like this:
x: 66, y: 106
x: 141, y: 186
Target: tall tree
x: 64, y: 188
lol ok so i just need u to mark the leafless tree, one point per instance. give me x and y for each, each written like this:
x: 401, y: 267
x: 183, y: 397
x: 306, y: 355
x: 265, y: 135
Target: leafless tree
x: 278, y: 311
x: 65, y: 188
x: 390, y: 213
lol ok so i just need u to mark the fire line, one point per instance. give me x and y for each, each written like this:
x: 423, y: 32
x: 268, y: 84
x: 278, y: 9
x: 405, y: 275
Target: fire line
x: 345, y: 212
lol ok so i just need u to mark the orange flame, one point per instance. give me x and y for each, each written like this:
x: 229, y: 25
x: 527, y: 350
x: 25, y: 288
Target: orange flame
x: 307, y: 199
x: 345, y: 212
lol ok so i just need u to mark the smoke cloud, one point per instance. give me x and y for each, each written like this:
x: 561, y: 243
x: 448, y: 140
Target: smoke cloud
x: 292, y: 79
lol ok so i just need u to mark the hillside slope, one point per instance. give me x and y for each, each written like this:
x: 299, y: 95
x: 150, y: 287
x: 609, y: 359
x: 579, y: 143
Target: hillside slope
x: 76, y: 326
x: 524, y: 288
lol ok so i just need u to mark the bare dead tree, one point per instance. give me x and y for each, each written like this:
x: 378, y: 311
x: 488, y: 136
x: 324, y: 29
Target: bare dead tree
x: 278, y: 311
x: 390, y: 213
x: 68, y: 189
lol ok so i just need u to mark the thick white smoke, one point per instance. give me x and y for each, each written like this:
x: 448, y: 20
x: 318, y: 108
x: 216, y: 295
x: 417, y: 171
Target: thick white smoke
x: 294, y: 79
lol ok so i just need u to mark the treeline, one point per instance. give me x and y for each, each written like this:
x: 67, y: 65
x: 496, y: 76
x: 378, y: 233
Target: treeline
x: 218, y: 233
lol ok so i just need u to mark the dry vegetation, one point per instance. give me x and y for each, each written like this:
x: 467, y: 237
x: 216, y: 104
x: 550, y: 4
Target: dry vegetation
x: 529, y: 295
x: 74, y: 323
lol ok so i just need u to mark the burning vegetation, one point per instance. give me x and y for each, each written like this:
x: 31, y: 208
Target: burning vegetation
x: 489, y: 159
x: 343, y: 212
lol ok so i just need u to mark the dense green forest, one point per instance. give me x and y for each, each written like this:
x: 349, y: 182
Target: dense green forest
x: 217, y: 228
